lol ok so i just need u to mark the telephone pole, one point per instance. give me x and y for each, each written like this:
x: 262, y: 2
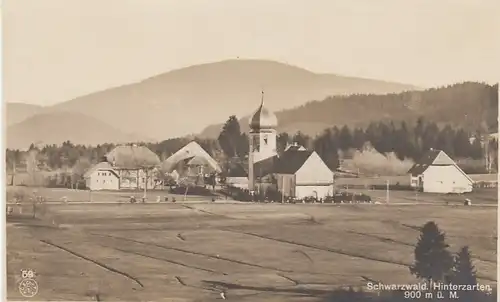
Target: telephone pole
x: 387, y: 191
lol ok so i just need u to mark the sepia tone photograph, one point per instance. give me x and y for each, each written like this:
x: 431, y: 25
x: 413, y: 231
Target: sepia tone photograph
x: 265, y: 150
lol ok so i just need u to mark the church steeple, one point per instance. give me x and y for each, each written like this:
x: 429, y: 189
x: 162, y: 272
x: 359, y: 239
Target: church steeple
x: 262, y: 136
x: 263, y: 118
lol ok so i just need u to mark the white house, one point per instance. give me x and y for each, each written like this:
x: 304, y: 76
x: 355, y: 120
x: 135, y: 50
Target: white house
x: 102, y: 177
x: 436, y: 172
x: 303, y: 173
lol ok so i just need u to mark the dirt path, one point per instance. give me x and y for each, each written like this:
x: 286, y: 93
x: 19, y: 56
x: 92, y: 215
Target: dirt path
x: 106, y: 267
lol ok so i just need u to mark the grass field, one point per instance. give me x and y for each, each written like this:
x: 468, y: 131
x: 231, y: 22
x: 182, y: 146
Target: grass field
x: 254, y: 252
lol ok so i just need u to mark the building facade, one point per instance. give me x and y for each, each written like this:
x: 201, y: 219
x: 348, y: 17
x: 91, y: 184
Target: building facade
x: 436, y: 172
x: 102, y: 177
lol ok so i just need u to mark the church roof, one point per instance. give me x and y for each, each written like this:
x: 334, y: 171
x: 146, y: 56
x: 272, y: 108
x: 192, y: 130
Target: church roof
x: 289, y: 163
x: 263, y: 118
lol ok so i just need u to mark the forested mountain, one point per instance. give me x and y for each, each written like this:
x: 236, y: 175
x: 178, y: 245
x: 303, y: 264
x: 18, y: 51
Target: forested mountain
x: 185, y: 101
x: 466, y: 105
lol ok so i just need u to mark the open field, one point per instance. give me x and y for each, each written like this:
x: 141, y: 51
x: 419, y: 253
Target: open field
x: 51, y: 194
x: 478, y: 196
x: 254, y: 252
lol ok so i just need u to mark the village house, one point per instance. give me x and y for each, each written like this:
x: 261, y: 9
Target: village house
x: 102, y: 177
x: 297, y: 172
x: 191, y: 159
x: 436, y: 172
x: 134, y: 168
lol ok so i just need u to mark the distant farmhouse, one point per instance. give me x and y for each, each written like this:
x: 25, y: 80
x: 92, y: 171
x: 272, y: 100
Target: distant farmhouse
x: 436, y: 172
x: 126, y: 167
x: 297, y: 172
x: 102, y: 177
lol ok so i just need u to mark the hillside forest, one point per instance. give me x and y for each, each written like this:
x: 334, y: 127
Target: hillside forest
x: 466, y: 105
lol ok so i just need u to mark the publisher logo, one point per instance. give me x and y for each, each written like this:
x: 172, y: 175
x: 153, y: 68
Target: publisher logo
x: 28, y: 287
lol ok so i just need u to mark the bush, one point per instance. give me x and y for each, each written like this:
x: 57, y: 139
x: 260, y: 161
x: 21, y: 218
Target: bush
x: 236, y: 193
x: 201, y: 191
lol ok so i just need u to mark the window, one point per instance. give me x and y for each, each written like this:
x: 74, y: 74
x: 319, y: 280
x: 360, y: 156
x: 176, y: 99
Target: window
x: 103, y: 181
x: 98, y: 174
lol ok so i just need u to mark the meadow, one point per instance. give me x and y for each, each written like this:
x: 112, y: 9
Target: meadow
x: 194, y: 250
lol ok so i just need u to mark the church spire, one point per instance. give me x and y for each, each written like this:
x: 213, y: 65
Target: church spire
x: 262, y: 98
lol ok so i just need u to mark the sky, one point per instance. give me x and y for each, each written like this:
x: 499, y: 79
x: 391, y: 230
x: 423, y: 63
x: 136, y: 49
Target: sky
x: 55, y: 50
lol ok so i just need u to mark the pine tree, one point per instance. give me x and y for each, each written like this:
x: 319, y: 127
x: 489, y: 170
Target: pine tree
x: 358, y: 138
x: 433, y: 261
x: 464, y: 273
x: 230, y: 138
x: 345, y: 138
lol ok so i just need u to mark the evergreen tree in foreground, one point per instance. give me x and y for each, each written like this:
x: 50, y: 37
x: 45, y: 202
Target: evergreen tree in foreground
x: 464, y: 273
x: 433, y: 261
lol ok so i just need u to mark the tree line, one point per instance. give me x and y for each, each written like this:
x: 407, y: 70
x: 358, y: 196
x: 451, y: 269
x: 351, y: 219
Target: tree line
x: 406, y: 140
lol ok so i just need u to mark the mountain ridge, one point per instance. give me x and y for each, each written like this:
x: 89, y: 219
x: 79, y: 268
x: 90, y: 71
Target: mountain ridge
x: 477, y: 104
x: 184, y: 101
x: 68, y: 124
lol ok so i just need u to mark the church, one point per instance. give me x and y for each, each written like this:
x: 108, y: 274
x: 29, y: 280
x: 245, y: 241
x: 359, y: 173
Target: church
x: 297, y: 172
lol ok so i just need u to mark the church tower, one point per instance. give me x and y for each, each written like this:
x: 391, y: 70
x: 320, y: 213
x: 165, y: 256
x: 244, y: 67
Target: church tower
x: 262, y: 138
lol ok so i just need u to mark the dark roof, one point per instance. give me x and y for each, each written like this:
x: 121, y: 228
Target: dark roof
x: 265, y: 167
x: 419, y: 167
x: 237, y: 171
x: 263, y: 118
x: 288, y: 163
x: 291, y: 161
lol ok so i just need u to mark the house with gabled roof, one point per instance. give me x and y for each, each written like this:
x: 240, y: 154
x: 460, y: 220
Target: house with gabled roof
x: 297, y: 172
x: 134, y: 165
x: 193, y: 156
x: 436, y: 172
x: 102, y: 176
